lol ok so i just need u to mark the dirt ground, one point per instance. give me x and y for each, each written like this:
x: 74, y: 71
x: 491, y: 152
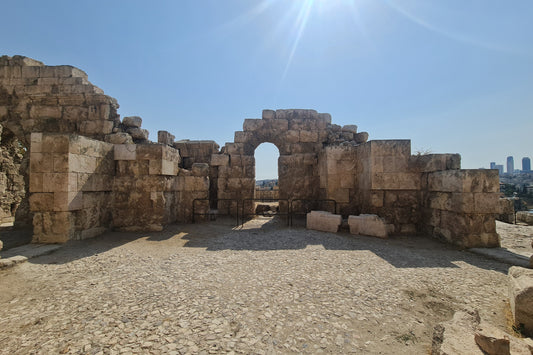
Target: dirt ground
x: 263, y: 289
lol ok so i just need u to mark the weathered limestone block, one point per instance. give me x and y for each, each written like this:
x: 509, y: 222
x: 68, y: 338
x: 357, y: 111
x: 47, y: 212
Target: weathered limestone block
x: 53, y: 227
x: 525, y: 217
x: 138, y: 133
x: 464, y: 181
x: 125, y: 152
x: 165, y: 137
x: 521, y: 297
x: 324, y: 221
x: 396, y: 181
x: 296, y: 113
x: 242, y: 137
x: 349, y: 128
x: 269, y: 114
x: 506, y: 213
x: 308, y: 136
x: 434, y: 162
x: 361, y: 137
x: 219, y: 159
x: 132, y: 121
x: 368, y: 224
x: 251, y: 124
x: 200, y: 169
x: 492, y: 340
x: 119, y: 138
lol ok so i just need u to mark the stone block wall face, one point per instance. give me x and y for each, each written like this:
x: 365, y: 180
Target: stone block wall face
x: 461, y: 206
x: 150, y: 190
x: 71, y: 179
x: 194, y: 152
x: 56, y: 99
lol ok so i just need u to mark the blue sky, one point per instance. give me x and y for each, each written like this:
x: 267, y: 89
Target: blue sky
x: 453, y: 76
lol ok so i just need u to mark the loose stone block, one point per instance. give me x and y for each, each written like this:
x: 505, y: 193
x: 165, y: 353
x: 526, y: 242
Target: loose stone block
x: 521, y: 297
x: 368, y: 224
x: 323, y: 221
x: 138, y: 133
x: 361, y: 137
x: 119, y: 138
x: 349, y: 128
x: 165, y: 137
x: 132, y: 121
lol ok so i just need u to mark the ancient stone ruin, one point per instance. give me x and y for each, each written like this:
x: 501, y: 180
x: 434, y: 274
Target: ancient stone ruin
x: 72, y: 169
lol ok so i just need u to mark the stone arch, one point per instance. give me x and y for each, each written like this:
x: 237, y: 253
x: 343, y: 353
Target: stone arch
x: 299, y: 136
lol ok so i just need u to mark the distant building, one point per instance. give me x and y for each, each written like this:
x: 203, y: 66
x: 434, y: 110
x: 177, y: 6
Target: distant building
x: 492, y: 165
x: 526, y: 164
x: 500, y: 168
x: 510, y: 165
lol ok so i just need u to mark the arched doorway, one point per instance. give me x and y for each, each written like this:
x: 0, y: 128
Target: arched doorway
x: 266, y: 179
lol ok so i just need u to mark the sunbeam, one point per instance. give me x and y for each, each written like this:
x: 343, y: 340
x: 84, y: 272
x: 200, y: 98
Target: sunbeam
x: 301, y: 22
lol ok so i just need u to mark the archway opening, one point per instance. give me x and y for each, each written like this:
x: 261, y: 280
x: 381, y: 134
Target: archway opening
x: 15, y: 216
x: 266, y: 179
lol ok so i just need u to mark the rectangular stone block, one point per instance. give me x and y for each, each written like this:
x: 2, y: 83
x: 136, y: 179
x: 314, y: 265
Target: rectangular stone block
x: 81, y: 163
x: 242, y: 137
x: 252, y: 124
x: 308, y: 136
x: 487, y: 202
x: 521, y: 298
x: 68, y: 201
x: 368, y: 224
x: 396, y: 181
x: 475, y: 180
x: 125, y: 152
x: 41, y: 162
x: 164, y: 137
x: 324, y: 221
x: 36, y: 182
x: 41, y: 202
x: 36, y: 141
x: 400, y: 147
x: 219, y: 159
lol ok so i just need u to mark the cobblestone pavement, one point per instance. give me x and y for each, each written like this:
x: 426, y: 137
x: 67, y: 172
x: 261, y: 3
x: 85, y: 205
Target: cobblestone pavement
x: 263, y: 289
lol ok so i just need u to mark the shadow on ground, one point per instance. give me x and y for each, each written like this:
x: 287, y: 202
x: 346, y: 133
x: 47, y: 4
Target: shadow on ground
x: 274, y: 234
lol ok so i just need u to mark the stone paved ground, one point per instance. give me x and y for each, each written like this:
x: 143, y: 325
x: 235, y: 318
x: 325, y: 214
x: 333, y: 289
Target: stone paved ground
x: 263, y: 289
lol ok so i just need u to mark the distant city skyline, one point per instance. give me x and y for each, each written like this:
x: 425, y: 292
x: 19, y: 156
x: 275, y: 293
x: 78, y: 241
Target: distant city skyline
x: 509, y: 164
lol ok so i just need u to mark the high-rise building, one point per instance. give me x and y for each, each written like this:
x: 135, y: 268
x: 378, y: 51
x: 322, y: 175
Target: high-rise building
x: 526, y: 164
x: 510, y: 165
x: 500, y: 168
x: 492, y: 165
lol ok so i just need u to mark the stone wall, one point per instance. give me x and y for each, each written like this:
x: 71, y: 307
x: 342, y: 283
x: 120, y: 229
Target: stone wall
x: 150, y: 190
x: 56, y: 99
x: 90, y: 171
x: 461, y: 206
x: 71, y: 182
